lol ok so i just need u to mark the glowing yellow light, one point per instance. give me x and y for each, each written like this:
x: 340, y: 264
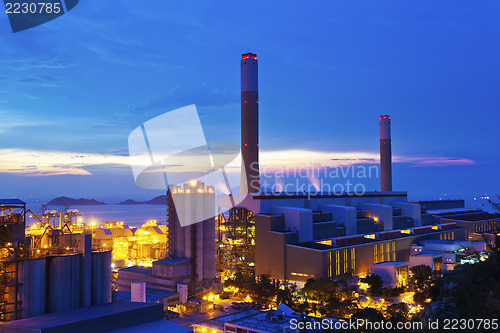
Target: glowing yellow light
x: 375, y: 219
x: 193, y: 183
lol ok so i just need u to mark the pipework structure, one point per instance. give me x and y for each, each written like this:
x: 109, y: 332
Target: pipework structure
x: 12, y: 250
x: 250, y: 179
x: 235, y: 241
x: 385, y: 154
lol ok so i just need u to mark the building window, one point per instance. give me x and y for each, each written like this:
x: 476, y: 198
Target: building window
x: 353, y: 259
x: 337, y: 263
x: 401, y: 276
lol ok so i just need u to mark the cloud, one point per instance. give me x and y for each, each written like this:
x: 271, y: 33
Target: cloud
x: 443, y: 161
x: 41, y: 81
x: 9, y: 122
x: 54, y: 61
x: 202, y: 95
x: 49, y: 163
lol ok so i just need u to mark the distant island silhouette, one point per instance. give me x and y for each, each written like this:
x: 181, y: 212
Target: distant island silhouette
x: 61, y: 201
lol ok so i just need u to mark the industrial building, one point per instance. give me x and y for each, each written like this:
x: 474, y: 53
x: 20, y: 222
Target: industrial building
x: 297, y: 236
x: 189, y: 269
x: 38, y: 278
x: 120, y: 317
x: 250, y: 321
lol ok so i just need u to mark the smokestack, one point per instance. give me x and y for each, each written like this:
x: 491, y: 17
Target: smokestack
x: 385, y: 154
x: 250, y: 179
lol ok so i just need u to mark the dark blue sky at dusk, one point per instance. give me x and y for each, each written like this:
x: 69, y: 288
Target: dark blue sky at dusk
x: 72, y: 90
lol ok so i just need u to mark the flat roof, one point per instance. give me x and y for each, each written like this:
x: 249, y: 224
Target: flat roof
x: 472, y: 217
x: 12, y: 202
x: 152, y: 295
x: 155, y: 326
x: 391, y: 263
x: 451, y: 210
x: 314, y: 246
x: 76, y: 315
x: 138, y: 269
x: 172, y: 260
x: 305, y: 195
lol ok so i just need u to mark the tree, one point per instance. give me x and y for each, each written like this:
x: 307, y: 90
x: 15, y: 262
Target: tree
x: 398, y: 312
x: 421, y: 274
x: 495, y: 205
x: 263, y: 290
x: 287, y: 295
x: 375, y: 282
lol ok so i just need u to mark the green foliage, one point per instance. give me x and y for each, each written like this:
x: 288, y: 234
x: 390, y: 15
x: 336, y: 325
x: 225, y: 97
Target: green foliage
x: 375, y: 282
x: 398, y: 312
x: 421, y: 275
x: 495, y: 205
x: 333, y: 298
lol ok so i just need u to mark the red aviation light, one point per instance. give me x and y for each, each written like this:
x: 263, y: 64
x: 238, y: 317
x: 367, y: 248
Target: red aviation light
x: 245, y: 144
x: 245, y: 101
x: 385, y: 117
x: 249, y: 55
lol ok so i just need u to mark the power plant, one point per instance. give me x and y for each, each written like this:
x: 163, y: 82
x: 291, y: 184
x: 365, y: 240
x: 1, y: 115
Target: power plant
x: 292, y: 237
x: 55, y: 272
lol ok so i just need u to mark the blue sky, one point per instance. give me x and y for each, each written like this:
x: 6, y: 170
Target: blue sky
x: 72, y: 90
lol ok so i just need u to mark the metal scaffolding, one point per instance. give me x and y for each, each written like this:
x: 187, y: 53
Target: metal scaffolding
x: 236, y: 241
x: 170, y: 246
x: 12, y: 249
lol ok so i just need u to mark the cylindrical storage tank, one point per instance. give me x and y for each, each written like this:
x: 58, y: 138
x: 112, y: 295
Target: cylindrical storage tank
x: 106, y: 284
x: 138, y: 291
x: 101, y: 278
x: 64, y: 282
x: 32, y: 289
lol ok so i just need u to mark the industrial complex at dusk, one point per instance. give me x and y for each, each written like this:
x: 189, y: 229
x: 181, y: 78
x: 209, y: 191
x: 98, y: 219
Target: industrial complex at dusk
x: 231, y: 251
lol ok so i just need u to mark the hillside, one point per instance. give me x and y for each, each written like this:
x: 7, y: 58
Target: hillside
x: 61, y: 201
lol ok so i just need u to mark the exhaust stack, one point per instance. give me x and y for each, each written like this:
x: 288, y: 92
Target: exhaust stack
x: 385, y: 154
x: 250, y: 178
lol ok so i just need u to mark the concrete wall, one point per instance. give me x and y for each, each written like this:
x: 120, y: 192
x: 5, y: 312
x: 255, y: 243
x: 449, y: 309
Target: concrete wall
x: 383, y: 213
x: 411, y: 210
x: 297, y: 220
x: 343, y: 214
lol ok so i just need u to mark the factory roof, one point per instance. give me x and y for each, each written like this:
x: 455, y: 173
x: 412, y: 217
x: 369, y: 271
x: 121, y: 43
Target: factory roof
x: 138, y: 269
x: 452, y: 211
x: 112, y: 315
x: 314, y: 246
x: 473, y: 217
x: 172, y: 260
x: 152, y: 295
x: 155, y: 326
x: 305, y: 195
x: 11, y: 202
x: 258, y: 320
x: 391, y: 263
